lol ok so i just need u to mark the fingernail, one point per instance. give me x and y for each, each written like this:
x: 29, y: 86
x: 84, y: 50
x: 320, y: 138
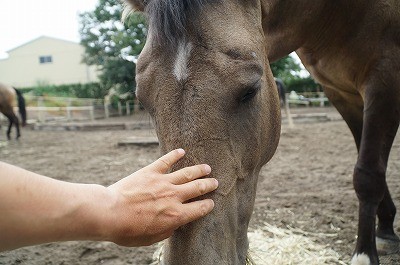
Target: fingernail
x: 207, y: 169
x: 181, y: 151
x: 207, y: 206
x: 216, y: 183
x: 212, y: 204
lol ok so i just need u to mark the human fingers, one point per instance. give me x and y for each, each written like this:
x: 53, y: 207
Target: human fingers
x: 188, y: 174
x: 196, y: 188
x: 164, y: 163
x: 195, y: 210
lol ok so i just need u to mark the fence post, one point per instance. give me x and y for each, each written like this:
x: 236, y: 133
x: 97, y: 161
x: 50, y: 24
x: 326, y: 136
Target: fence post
x: 106, y: 112
x: 288, y: 115
x: 40, y: 114
x: 68, y: 109
x: 128, y: 109
x: 119, y: 108
x: 321, y: 96
x: 91, y: 113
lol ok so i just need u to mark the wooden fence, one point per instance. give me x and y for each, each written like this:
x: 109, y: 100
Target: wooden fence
x: 44, y: 109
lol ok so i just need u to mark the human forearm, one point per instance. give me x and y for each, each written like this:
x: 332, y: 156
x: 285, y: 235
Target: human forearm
x: 140, y: 209
x: 36, y: 209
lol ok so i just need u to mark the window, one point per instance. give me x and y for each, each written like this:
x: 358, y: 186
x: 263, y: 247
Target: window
x: 45, y: 59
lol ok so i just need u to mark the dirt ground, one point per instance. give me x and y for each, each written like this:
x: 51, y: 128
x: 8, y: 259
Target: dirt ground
x: 307, y: 184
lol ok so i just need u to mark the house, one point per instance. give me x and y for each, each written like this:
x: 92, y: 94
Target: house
x: 46, y: 60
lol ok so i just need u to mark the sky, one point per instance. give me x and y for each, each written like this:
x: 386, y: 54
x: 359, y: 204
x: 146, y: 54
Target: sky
x: 24, y: 20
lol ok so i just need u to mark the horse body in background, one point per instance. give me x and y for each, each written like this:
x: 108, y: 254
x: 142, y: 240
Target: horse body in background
x: 8, y: 98
x: 281, y: 91
x: 282, y: 98
x: 205, y: 79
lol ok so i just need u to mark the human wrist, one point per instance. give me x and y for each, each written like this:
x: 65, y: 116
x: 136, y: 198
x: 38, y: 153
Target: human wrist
x: 95, y: 212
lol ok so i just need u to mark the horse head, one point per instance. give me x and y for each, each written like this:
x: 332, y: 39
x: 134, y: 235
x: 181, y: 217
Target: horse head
x: 205, y: 79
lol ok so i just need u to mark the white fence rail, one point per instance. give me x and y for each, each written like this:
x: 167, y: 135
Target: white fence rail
x: 46, y: 109
x: 307, y: 99
x: 42, y: 113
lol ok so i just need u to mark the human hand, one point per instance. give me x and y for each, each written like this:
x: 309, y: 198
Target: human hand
x: 150, y: 204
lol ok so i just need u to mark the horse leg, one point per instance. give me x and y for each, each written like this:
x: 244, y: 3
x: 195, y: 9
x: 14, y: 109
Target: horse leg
x: 381, y: 121
x: 16, y: 122
x: 386, y: 239
x: 12, y: 118
x: 10, y: 123
x: 387, y: 242
x: 351, y: 108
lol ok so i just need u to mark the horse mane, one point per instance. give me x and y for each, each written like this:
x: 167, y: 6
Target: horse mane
x: 169, y: 20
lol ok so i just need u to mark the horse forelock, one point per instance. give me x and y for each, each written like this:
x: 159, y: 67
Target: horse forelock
x: 169, y: 20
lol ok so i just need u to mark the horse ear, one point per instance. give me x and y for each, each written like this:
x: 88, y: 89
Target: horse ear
x: 131, y: 6
x: 135, y: 4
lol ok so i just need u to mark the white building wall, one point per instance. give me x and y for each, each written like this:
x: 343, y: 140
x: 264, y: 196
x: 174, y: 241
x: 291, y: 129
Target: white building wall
x: 23, y: 68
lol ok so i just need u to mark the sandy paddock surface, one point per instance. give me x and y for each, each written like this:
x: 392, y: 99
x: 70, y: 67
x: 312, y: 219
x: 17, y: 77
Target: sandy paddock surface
x: 307, y: 184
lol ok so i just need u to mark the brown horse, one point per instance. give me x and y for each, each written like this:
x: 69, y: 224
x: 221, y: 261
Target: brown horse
x: 204, y: 76
x: 8, y: 97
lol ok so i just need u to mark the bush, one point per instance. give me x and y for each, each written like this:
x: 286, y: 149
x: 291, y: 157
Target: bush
x: 89, y: 90
x: 301, y: 85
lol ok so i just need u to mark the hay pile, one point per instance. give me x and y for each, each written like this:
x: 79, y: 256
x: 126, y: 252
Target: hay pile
x: 272, y: 246
x: 276, y: 246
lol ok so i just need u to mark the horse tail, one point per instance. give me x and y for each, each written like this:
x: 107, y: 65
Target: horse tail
x: 21, y: 106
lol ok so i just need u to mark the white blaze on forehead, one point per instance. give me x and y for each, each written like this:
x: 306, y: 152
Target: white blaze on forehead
x: 181, y: 71
x: 360, y: 259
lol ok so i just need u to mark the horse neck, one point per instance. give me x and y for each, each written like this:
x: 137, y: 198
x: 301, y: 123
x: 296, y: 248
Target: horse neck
x: 290, y: 25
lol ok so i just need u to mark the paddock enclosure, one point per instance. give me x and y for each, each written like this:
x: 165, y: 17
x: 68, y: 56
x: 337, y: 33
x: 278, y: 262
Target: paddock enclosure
x: 307, y: 186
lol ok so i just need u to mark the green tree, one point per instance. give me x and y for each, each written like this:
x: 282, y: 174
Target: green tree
x: 286, y: 68
x: 301, y: 85
x: 112, y: 45
x: 289, y: 70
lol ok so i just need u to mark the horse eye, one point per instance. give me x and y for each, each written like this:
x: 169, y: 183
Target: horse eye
x: 251, y: 91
